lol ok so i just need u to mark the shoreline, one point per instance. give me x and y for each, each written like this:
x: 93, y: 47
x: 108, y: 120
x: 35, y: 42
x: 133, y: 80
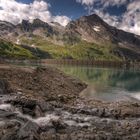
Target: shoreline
x: 97, y: 63
x: 44, y: 104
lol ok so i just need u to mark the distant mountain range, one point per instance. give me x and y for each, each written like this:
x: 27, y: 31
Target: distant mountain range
x: 88, y: 37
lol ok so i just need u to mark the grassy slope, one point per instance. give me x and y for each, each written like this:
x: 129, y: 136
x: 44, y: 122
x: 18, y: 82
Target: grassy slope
x: 7, y: 49
x: 81, y: 50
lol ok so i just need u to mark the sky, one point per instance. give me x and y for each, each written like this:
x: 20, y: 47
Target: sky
x: 123, y: 14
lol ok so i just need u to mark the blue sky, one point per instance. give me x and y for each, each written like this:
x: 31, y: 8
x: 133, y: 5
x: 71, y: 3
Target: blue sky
x: 69, y: 8
x: 74, y: 9
x: 124, y: 14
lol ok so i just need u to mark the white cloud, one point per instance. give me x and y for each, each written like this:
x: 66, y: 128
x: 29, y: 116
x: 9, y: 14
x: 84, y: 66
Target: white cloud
x: 105, y: 3
x: 86, y: 2
x: 130, y: 20
x: 63, y: 20
x: 15, y: 12
x: 131, y: 17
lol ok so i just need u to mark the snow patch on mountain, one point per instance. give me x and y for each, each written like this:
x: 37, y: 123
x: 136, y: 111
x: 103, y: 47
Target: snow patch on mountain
x: 96, y: 28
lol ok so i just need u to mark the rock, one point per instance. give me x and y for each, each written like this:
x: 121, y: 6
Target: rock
x: 28, y: 111
x: 101, y: 112
x: 38, y: 112
x: 29, y: 131
x: 4, y: 86
x: 50, y: 135
x: 44, y: 106
x: 28, y: 106
x: 9, y: 136
x: 9, y: 130
x: 58, y: 124
x: 6, y: 114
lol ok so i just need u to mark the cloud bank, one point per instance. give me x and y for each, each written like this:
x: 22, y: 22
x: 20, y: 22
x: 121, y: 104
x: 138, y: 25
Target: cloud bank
x: 104, y: 3
x: 14, y: 12
x: 128, y: 21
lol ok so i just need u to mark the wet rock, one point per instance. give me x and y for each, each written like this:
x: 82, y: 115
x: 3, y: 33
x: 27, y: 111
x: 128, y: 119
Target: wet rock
x: 50, y: 135
x: 101, y: 112
x: 23, y: 101
x: 58, y: 124
x: 6, y: 114
x: 27, y: 106
x: 45, y: 106
x: 29, y: 131
x: 9, y: 130
x: 9, y: 136
x: 4, y: 87
x: 28, y: 111
x: 39, y: 112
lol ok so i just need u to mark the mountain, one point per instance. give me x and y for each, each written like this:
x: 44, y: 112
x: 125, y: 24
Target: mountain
x: 88, y: 37
x: 93, y: 29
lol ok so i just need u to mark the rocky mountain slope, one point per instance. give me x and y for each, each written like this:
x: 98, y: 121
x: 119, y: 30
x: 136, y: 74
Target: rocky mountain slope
x: 94, y: 29
x: 88, y: 37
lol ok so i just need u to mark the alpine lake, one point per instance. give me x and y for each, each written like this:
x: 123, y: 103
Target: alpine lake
x: 106, y: 84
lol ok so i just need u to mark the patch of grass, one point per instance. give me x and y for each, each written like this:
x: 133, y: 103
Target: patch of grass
x: 8, y: 49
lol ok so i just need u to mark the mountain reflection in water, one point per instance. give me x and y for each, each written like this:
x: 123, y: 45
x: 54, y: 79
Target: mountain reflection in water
x: 107, y: 84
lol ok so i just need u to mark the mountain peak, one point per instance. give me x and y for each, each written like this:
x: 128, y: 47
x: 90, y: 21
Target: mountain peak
x: 95, y: 20
x: 90, y: 20
x: 38, y: 21
x: 93, y: 16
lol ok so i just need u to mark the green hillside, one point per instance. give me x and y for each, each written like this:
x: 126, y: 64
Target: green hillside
x: 10, y: 50
x: 80, y: 50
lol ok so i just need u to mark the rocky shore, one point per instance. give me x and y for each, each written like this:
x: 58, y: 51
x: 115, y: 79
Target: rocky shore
x: 44, y: 104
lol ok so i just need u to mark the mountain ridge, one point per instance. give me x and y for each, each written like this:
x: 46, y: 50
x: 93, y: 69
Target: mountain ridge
x: 91, y: 29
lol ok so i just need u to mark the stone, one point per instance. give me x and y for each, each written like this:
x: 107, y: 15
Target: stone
x: 29, y: 131
x: 3, y: 86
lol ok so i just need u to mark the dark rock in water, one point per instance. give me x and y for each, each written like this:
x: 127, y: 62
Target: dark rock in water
x: 9, y: 130
x: 38, y: 112
x: 5, y: 114
x: 24, y: 102
x: 28, y: 111
x: 9, y: 136
x: 3, y: 86
x: 58, y: 124
x: 27, y: 106
x: 29, y: 131
x: 44, y: 106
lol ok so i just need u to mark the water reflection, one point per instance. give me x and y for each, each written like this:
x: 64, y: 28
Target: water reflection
x: 107, y: 84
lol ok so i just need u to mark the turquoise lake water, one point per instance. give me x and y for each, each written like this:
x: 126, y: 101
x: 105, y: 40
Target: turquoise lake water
x: 107, y: 84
